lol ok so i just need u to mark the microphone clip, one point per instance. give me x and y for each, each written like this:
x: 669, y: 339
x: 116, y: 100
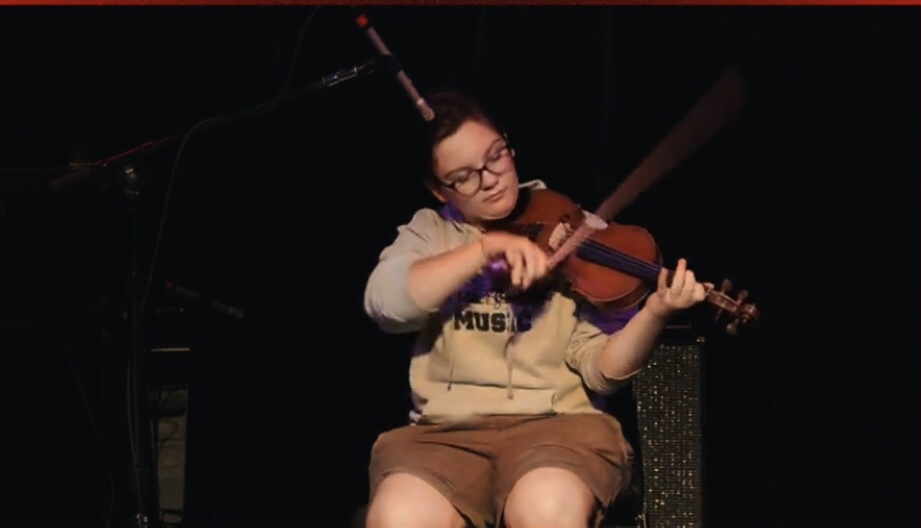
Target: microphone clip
x: 357, y: 71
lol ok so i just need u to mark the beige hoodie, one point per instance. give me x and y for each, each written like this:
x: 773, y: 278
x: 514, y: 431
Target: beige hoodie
x: 478, y: 355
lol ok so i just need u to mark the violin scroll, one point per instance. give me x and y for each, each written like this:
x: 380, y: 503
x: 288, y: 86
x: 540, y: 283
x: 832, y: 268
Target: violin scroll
x: 740, y: 312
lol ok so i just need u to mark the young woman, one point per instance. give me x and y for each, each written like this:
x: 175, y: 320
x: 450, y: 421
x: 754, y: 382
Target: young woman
x: 504, y: 431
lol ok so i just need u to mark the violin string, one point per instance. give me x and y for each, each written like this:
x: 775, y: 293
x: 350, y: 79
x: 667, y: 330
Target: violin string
x: 646, y: 269
x: 650, y: 270
x: 570, y: 244
x: 630, y: 263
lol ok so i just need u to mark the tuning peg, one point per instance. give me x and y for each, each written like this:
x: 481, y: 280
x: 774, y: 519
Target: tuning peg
x: 733, y: 327
x: 724, y: 287
x: 743, y: 294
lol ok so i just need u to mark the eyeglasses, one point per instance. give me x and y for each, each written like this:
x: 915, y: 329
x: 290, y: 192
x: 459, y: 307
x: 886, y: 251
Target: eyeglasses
x: 467, y: 182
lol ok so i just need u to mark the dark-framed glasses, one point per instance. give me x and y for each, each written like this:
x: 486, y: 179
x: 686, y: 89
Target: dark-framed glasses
x: 467, y: 182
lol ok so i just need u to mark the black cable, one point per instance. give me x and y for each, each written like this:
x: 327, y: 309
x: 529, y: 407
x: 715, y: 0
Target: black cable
x: 255, y: 110
x: 68, y: 351
x: 211, y: 122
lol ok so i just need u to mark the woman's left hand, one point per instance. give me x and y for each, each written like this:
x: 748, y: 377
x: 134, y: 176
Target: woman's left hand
x: 683, y: 292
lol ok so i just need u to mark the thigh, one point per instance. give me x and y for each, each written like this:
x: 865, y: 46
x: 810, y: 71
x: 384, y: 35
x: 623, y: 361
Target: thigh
x: 456, y: 463
x: 403, y: 499
x: 591, y: 446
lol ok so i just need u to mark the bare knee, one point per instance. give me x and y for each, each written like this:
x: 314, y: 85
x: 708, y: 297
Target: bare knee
x: 549, y: 497
x: 406, y: 501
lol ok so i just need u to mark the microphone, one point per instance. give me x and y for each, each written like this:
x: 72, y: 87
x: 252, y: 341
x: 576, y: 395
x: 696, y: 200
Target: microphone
x: 362, y: 21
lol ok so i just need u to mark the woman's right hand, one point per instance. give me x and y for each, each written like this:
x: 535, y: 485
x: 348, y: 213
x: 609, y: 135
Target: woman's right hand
x: 527, y: 262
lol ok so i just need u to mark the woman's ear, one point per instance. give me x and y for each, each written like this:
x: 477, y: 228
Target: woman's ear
x: 508, y: 143
x: 433, y: 188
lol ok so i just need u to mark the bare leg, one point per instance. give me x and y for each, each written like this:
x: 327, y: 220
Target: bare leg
x: 406, y: 501
x: 549, y: 496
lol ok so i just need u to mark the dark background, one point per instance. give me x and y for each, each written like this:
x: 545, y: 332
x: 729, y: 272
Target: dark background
x: 809, y: 201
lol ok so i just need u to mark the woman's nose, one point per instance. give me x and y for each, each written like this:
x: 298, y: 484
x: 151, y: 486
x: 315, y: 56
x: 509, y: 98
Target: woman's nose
x: 489, y: 179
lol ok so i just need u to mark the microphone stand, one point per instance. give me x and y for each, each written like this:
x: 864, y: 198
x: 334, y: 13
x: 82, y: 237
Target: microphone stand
x: 144, y: 512
x: 145, y: 480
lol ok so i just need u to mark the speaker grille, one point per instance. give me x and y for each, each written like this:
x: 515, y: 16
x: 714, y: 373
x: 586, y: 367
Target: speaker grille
x: 668, y: 398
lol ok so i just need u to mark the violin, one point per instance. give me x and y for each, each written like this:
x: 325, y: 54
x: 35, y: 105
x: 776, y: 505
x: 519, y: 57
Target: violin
x: 613, y: 266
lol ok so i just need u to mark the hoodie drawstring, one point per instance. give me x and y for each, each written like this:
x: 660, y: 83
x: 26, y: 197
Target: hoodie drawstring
x: 509, y: 357
x: 451, y: 367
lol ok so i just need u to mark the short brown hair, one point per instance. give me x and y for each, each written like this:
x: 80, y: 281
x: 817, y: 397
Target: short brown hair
x: 452, y: 109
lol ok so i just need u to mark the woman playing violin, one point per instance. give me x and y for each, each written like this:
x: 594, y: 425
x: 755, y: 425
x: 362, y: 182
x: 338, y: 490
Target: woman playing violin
x: 506, y: 429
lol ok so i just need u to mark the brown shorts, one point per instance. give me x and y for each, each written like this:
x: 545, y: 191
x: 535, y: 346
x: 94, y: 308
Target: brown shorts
x: 475, y: 465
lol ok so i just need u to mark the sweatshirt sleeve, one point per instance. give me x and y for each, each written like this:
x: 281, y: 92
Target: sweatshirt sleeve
x: 592, y: 333
x: 386, y: 298
x: 589, y: 339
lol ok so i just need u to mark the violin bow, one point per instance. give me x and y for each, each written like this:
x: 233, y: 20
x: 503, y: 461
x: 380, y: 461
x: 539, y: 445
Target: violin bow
x: 718, y: 106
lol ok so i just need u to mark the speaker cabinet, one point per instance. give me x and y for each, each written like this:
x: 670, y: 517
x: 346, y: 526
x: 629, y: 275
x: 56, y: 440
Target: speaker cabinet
x: 168, y: 401
x: 668, y: 396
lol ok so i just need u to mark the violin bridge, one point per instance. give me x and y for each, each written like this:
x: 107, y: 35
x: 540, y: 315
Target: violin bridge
x: 565, y: 231
x: 594, y: 222
x: 569, y: 240
x: 560, y: 234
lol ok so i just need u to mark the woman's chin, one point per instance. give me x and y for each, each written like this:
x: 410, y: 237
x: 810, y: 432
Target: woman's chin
x: 500, y: 209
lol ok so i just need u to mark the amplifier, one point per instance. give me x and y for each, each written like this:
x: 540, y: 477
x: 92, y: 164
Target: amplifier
x: 668, y: 396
